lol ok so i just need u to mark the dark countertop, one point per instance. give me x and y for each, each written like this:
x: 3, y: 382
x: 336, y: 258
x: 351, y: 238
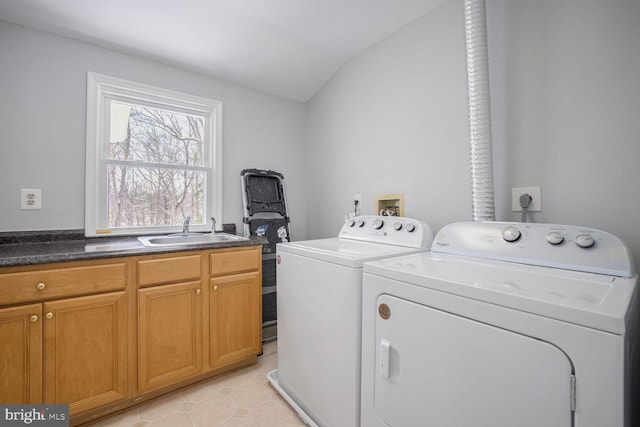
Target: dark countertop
x: 43, y: 247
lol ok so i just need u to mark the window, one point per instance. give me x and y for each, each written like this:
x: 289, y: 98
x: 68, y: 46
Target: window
x: 153, y: 159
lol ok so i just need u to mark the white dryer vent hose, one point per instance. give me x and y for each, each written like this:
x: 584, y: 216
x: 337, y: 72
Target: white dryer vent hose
x: 475, y: 28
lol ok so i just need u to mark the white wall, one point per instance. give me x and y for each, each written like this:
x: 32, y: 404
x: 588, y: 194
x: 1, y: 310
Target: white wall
x: 394, y: 120
x: 566, y: 101
x: 565, y: 77
x: 42, y: 127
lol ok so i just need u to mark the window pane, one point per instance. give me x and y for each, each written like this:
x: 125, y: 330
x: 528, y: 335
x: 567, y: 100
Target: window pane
x: 144, y: 134
x: 141, y: 197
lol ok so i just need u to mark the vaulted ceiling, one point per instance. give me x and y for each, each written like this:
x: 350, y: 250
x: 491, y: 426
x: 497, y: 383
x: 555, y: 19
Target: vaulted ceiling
x: 284, y: 47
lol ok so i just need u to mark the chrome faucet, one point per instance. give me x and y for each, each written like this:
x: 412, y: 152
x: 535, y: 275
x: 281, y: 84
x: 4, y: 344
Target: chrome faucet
x: 185, y: 225
x: 213, y: 225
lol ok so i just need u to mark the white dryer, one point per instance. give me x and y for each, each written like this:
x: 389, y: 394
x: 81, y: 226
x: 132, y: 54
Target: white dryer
x: 502, y: 325
x: 320, y: 312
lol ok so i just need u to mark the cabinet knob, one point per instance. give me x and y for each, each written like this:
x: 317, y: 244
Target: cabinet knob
x: 49, y: 315
x: 41, y: 286
x: 198, y: 291
x: 215, y: 287
x: 33, y: 319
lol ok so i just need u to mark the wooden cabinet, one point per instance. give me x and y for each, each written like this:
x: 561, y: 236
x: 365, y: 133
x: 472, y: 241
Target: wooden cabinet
x: 235, y: 305
x: 169, y: 269
x: 106, y: 334
x: 169, y: 319
x: 235, y: 318
x: 21, y: 354
x: 85, y: 348
x: 71, y: 350
x: 52, y: 283
x: 225, y: 262
x: 177, y: 315
x: 169, y: 334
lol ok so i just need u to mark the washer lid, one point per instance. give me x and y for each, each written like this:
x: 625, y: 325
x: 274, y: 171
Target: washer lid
x: 350, y: 253
x: 593, y: 300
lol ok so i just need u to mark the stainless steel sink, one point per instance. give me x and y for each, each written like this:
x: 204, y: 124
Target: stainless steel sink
x: 188, y: 239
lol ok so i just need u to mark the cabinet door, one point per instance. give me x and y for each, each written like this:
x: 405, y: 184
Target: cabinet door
x: 235, y: 315
x: 169, y: 334
x: 85, y: 362
x: 21, y: 355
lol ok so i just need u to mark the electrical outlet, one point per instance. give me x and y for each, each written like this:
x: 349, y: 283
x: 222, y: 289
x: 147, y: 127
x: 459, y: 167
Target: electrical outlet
x: 536, y: 200
x: 357, y: 204
x: 30, y: 198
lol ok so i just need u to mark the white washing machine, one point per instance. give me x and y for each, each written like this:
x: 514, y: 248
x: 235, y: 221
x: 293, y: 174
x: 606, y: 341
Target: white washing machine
x: 320, y: 310
x: 502, y: 325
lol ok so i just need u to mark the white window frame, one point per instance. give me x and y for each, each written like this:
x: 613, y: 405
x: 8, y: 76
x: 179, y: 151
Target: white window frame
x: 101, y: 88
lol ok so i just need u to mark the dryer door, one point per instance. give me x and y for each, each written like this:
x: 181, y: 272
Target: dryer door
x: 434, y: 368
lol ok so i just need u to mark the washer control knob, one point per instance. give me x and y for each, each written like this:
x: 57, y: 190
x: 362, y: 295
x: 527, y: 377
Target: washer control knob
x: 584, y: 240
x: 378, y: 223
x: 397, y: 226
x: 360, y: 223
x: 511, y: 234
x: 351, y: 223
x: 410, y: 227
x: 555, y: 238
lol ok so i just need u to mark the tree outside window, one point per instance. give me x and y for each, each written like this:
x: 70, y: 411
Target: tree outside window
x: 158, y: 160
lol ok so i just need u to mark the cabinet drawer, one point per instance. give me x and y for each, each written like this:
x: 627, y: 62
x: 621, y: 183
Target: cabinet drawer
x: 61, y: 283
x: 222, y: 263
x: 169, y: 270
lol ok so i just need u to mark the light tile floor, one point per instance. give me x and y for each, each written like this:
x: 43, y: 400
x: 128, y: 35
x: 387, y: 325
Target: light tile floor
x: 242, y: 398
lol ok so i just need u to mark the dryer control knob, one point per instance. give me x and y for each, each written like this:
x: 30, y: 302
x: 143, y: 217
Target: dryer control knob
x: 584, y: 240
x: 410, y: 227
x: 378, y: 223
x: 351, y: 223
x: 555, y: 238
x: 360, y: 223
x: 397, y: 226
x: 511, y: 234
